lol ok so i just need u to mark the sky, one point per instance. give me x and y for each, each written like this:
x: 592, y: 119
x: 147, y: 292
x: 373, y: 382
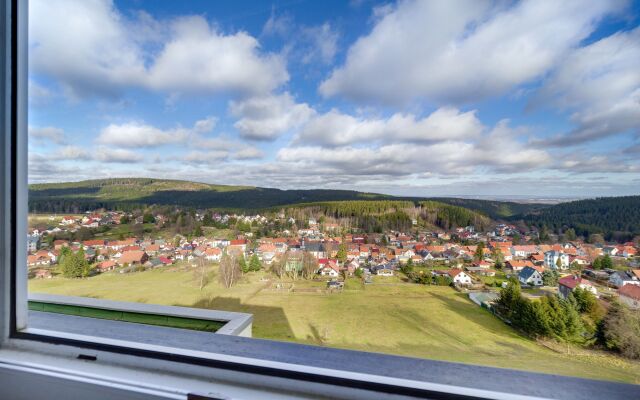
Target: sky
x: 419, y: 98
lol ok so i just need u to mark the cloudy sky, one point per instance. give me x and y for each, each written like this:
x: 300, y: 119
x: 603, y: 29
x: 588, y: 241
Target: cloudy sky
x: 412, y: 97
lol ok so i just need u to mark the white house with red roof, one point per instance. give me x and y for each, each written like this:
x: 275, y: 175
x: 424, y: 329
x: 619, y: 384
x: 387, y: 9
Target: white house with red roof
x: 213, y: 254
x: 459, y: 276
x: 329, y: 268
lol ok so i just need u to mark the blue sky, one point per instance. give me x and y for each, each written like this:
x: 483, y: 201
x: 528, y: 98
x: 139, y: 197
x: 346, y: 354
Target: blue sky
x: 532, y: 98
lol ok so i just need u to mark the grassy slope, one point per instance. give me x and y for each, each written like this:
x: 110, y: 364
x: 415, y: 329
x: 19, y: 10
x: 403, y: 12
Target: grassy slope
x: 390, y: 317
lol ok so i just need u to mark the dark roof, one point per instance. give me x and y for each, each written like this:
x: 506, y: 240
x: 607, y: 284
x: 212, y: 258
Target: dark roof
x: 526, y: 272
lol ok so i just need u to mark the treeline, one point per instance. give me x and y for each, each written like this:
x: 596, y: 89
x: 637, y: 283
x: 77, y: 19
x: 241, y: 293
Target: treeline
x: 492, y: 208
x: 616, y: 218
x: 368, y: 215
x: 578, y: 319
x: 381, y: 215
x: 447, y: 216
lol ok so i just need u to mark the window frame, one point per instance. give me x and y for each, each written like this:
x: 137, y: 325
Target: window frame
x: 17, y: 336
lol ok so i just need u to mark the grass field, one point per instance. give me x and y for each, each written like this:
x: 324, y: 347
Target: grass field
x: 388, y: 316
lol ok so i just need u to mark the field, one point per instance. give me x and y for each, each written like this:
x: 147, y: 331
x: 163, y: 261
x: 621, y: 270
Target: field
x: 388, y: 316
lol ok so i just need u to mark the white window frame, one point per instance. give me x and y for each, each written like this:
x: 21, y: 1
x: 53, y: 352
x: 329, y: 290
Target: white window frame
x: 48, y: 363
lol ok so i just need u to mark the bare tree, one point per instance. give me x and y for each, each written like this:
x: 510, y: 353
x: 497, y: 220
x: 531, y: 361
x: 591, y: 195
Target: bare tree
x: 202, y: 273
x: 230, y: 271
x: 278, y: 266
x: 309, y: 265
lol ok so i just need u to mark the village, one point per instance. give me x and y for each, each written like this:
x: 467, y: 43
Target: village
x: 328, y: 251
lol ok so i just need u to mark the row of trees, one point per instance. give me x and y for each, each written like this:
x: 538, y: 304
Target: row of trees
x: 551, y: 316
x: 577, y: 319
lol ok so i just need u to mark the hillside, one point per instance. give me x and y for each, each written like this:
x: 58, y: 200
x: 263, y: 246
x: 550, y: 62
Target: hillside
x: 617, y: 218
x: 493, y: 208
x: 128, y: 192
x: 123, y: 193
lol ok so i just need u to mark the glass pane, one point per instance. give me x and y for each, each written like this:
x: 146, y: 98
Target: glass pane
x: 413, y: 177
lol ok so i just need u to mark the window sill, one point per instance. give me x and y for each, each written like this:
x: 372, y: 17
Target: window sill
x: 302, y: 366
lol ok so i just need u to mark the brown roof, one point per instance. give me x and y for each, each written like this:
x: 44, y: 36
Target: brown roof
x: 132, y: 256
x: 632, y: 291
x: 572, y: 281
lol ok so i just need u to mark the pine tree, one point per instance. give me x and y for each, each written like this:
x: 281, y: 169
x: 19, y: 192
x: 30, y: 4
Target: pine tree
x: 254, y: 263
x: 479, y: 255
x: 550, y: 277
x: 242, y: 263
x: 342, y: 253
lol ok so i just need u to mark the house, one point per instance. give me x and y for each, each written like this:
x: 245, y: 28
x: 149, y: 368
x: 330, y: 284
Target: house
x: 35, y: 260
x: 152, y: 248
x: 459, y: 277
x: 523, y: 251
x: 42, y: 273
x: 551, y: 259
x: 133, y: 257
x: 568, y: 284
x: 329, y: 268
x: 530, y: 276
x: 315, y: 248
x: 629, y: 251
x: 213, y: 254
x: 519, y: 265
x: 610, y: 250
x: 67, y: 220
x: 106, y: 266
x: 383, y: 270
x: 165, y: 260
x: 622, y: 278
x: 93, y: 243
x: 293, y: 262
x: 33, y: 241
x: 630, y: 295
x: 537, y: 258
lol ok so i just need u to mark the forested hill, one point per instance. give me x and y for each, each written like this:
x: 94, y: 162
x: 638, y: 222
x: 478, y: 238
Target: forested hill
x: 493, y: 208
x: 124, y: 193
x: 400, y: 215
x: 617, y: 218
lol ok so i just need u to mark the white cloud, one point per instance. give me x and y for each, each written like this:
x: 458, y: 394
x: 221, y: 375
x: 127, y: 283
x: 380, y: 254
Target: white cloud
x: 459, y: 51
x: 249, y: 153
x: 209, y: 157
x: 337, y: 129
x: 84, y: 45
x: 266, y: 118
x: 56, y: 135
x: 72, y: 153
x: 324, y: 44
x: 609, y: 163
x: 138, y: 134
x: 134, y: 134
x: 38, y: 94
x: 110, y: 155
x: 205, y: 125
x: 601, y: 84
x: 198, y: 58
x: 90, y: 48
x: 279, y: 25
x: 497, y: 151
